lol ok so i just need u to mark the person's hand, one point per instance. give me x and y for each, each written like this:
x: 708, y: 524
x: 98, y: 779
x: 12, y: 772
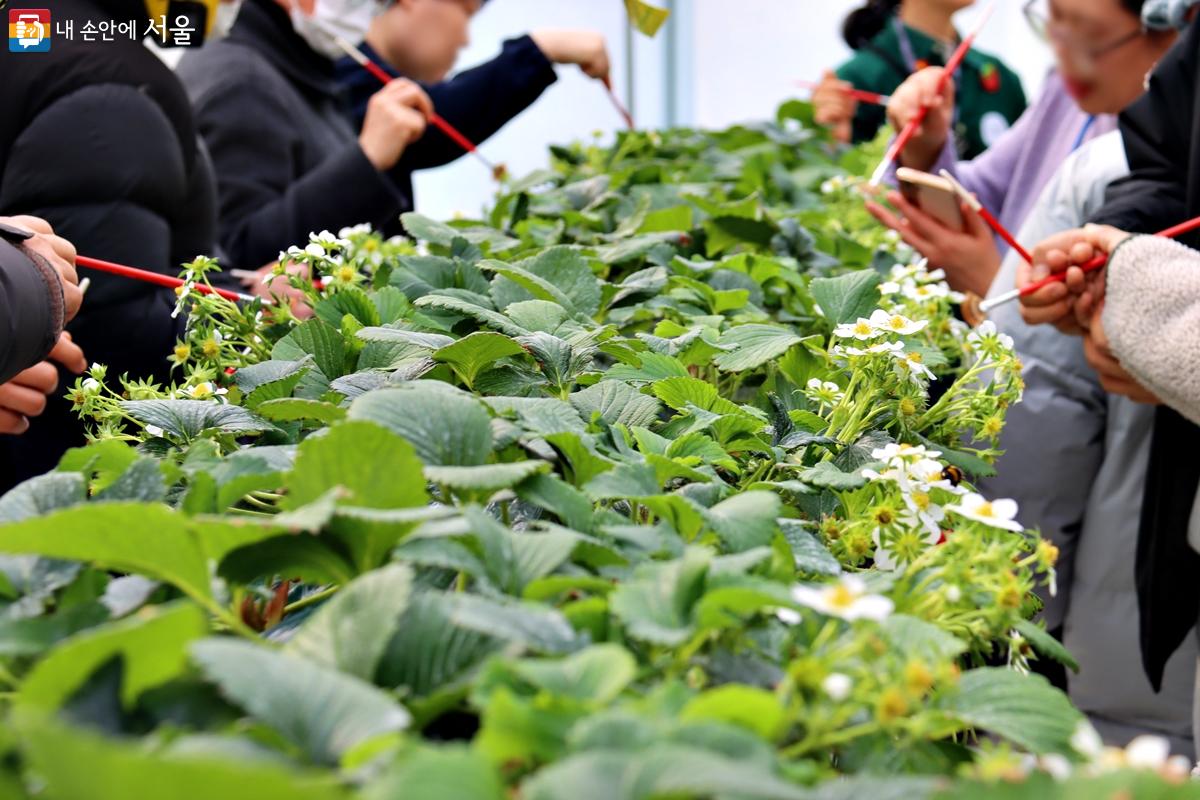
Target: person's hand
x: 835, y: 106
x: 25, y: 395
x: 587, y: 49
x: 396, y: 117
x: 920, y: 89
x: 279, y: 287
x: 68, y: 354
x: 1113, y: 377
x: 1053, y: 304
x: 969, y: 256
x: 1089, y: 288
x: 58, y: 252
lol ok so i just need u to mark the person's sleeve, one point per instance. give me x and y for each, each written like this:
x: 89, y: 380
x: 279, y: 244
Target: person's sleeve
x: 481, y: 101
x: 31, y: 306
x: 1158, y: 130
x: 1160, y: 349
x: 265, y: 204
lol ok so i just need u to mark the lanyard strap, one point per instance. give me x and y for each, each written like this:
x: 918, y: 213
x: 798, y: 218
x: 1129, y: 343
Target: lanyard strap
x: 1083, y: 132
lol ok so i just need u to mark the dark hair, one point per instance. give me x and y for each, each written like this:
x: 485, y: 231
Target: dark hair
x: 1134, y: 6
x: 864, y: 24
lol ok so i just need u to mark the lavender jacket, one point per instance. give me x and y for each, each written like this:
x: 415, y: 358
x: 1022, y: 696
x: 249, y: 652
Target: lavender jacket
x: 1010, y: 176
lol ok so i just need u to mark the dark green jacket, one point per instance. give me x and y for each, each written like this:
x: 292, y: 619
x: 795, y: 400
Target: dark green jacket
x: 989, y: 98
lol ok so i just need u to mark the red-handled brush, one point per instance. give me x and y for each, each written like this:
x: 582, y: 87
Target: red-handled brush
x: 498, y: 171
x: 617, y: 104
x: 987, y: 216
x: 914, y: 124
x: 1096, y: 263
x: 146, y: 276
x: 863, y: 96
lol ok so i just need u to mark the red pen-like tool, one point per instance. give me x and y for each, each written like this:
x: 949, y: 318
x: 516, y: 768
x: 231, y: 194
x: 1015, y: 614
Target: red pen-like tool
x: 1096, y: 263
x: 617, y: 104
x: 498, y: 172
x: 914, y: 124
x: 860, y: 95
x: 145, y: 276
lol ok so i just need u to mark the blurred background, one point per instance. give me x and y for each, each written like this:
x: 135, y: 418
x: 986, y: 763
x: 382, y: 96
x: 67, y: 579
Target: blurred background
x: 753, y: 51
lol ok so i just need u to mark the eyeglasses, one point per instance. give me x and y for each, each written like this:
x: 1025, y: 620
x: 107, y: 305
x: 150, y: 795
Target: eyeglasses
x: 1051, y: 31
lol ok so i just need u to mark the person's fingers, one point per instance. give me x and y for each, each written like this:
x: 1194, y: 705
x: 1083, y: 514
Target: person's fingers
x: 924, y: 225
x: 41, y: 377
x: 883, y: 214
x: 410, y: 94
x: 1076, y: 280
x: 1049, y: 295
x: 12, y: 423
x: 973, y: 224
x: 32, y: 224
x: 65, y: 250
x: 22, y: 400
x: 72, y: 299
x: 1105, y: 238
x: 69, y: 355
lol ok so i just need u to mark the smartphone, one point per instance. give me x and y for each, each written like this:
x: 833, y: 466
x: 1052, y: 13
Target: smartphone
x: 932, y: 194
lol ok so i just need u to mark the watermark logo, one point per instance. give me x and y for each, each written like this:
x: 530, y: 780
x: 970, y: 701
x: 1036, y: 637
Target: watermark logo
x: 29, y: 30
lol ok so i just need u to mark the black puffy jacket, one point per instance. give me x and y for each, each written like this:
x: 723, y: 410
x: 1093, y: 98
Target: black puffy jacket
x: 98, y: 139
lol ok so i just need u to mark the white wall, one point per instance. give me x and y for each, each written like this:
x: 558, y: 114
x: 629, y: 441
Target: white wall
x: 752, y: 56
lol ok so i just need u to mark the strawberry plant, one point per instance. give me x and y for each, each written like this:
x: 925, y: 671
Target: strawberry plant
x: 655, y: 482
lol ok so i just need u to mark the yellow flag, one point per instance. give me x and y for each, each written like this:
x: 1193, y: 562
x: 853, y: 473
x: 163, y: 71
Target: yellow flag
x: 646, y: 18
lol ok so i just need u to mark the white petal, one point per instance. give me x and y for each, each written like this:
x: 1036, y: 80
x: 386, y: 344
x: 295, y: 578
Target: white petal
x: 1148, y: 752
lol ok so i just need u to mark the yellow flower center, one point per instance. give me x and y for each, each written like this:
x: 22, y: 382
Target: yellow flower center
x: 918, y: 677
x: 914, y: 357
x: 210, y: 348
x: 985, y: 509
x: 921, y: 500
x: 345, y: 274
x: 908, y: 407
x: 993, y: 426
x: 898, y: 323
x: 892, y: 705
x: 182, y: 352
x: 179, y: 290
x: 840, y: 597
x: 202, y: 392
x: 862, y: 329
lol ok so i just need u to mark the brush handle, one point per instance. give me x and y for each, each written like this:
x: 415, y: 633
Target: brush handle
x: 616, y: 101
x: 861, y: 95
x: 145, y: 276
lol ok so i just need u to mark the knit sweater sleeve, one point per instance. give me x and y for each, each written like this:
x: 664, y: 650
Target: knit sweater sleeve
x: 1152, y: 318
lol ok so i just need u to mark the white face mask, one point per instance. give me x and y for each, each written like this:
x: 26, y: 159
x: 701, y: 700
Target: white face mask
x: 331, y: 19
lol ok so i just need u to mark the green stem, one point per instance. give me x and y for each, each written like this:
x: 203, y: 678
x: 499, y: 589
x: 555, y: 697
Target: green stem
x: 312, y: 599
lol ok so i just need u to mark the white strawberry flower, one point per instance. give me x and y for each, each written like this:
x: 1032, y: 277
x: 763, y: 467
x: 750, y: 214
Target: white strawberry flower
x: 154, y: 430
x: 862, y: 330
x: 837, y: 686
x: 889, y: 288
x: 825, y: 393
x: 315, y: 250
x: 205, y: 390
x: 927, y: 291
x: 993, y: 513
x: 847, y: 599
x: 897, y: 323
x: 900, y: 453
x: 911, y: 364
x: 890, y: 348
